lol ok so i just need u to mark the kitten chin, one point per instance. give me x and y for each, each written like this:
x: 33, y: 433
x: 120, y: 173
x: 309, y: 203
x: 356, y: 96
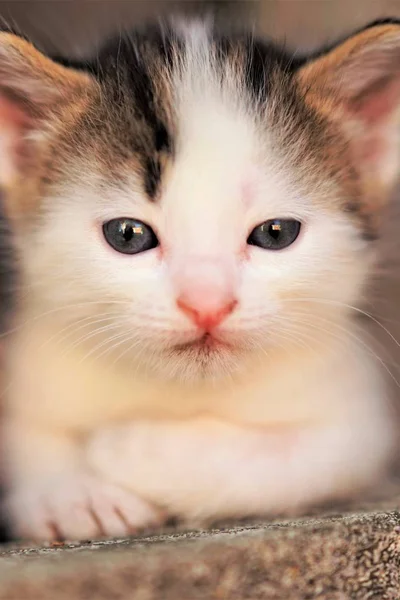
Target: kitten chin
x: 201, y: 361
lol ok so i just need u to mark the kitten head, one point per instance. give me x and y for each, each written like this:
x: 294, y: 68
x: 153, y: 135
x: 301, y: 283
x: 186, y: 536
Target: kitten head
x: 189, y: 199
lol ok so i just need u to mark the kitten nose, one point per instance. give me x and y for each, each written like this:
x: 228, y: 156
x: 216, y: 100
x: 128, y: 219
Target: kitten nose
x: 206, y: 313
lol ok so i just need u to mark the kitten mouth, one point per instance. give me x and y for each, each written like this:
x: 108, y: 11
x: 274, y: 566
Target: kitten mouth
x: 206, y: 343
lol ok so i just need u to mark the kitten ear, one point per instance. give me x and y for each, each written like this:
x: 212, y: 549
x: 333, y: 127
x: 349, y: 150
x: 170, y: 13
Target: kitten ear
x: 33, y: 89
x: 357, y: 84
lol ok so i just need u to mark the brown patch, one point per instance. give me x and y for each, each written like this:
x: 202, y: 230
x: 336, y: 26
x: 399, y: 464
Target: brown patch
x: 39, y: 99
x: 355, y: 88
x: 40, y: 160
x: 309, y: 137
x: 341, y: 66
x: 32, y: 77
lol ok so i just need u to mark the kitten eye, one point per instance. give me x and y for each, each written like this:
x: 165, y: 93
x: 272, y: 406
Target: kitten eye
x: 275, y: 234
x: 129, y: 236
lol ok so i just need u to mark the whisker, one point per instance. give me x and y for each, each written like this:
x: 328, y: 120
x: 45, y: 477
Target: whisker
x: 352, y: 335
x: 65, y: 307
x: 81, y: 341
x: 71, y: 329
x: 102, y: 344
x: 126, y: 351
x: 344, y: 305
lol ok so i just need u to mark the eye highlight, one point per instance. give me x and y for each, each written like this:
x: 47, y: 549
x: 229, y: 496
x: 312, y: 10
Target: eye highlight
x: 129, y: 236
x: 275, y: 234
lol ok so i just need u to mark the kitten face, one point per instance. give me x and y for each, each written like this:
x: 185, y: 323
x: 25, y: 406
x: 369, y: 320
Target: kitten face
x: 217, y: 192
x: 192, y: 142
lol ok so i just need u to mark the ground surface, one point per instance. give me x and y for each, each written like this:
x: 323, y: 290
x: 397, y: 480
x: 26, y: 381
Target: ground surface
x: 353, y: 554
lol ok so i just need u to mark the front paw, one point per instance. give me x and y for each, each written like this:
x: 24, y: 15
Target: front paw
x: 78, y: 506
x: 116, y: 453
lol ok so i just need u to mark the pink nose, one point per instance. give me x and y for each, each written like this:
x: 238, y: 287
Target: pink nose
x: 206, y: 317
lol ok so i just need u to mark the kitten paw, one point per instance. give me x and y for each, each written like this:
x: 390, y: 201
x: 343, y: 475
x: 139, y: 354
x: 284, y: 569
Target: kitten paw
x: 78, y: 507
x: 113, y: 453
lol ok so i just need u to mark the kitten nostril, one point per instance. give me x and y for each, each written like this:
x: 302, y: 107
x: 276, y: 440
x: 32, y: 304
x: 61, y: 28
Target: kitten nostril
x: 228, y: 308
x: 191, y: 312
x: 206, y: 317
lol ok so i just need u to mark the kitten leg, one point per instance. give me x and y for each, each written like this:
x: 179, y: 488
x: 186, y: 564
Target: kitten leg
x: 53, y: 496
x: 205, y: 468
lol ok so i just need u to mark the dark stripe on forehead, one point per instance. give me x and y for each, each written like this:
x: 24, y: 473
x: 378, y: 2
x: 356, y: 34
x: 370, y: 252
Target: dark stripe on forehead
x: 129, y: 66
x: 133, y: 72
x: 152, y: 176
x: 262, y: 60
x: 256, y: 70
x: 258, y: 60
x: 141, y: 90
x: 164, y: 43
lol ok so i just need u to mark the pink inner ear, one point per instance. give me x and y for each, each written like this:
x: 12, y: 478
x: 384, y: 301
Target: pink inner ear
x: 13, y: 123
x: 380, y: 103
x: 373, y: 148
x: 11, y: 115
x: 376, y: 144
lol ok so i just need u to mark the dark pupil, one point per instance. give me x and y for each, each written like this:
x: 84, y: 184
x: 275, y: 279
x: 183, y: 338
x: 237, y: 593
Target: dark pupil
x: 274, y: 229
x: 129, y: 231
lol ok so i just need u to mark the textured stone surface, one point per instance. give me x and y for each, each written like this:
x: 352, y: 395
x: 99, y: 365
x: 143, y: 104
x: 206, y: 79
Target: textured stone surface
x: 352, y: 555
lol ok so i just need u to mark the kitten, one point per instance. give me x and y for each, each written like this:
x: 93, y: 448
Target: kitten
x: 195, y: 216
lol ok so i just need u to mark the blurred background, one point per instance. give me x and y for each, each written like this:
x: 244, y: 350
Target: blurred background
x: 74, y: 26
